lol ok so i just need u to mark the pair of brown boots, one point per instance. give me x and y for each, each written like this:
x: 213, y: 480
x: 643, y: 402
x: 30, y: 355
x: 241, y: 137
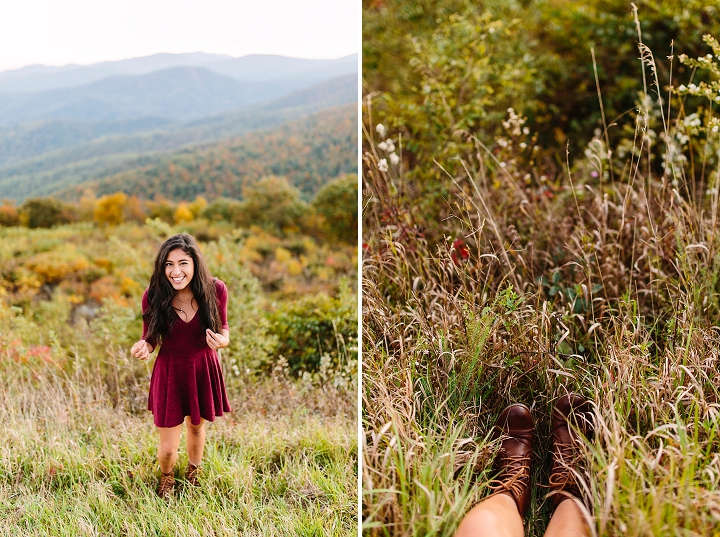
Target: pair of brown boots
x: 571, y: 417
x: 166, y: 488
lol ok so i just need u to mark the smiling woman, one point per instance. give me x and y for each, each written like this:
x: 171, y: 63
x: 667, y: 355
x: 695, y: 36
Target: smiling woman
x: 185, y: 312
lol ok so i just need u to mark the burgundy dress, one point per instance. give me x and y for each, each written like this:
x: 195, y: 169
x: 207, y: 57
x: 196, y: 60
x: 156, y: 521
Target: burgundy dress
x: 186, y: 378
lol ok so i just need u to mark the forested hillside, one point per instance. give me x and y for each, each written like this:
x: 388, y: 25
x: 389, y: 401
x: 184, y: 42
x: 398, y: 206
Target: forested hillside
x: 99, y: 159
x: 308, y: 151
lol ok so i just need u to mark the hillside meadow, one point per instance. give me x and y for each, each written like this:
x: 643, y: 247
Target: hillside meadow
x: 541, y: 217
x: 80, y: 450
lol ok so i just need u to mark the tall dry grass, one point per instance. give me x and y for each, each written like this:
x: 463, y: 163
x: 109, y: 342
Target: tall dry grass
x: 77, y: 458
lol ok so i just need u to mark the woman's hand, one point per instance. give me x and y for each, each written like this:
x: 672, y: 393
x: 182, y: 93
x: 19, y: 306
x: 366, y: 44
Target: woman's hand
x: 141, y: 350
x: 217, y: 341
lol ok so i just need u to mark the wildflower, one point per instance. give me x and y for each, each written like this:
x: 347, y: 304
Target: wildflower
x: 383, y: 165
x: 593, y: 174
x: 526, y: 131
x: 715, y: 128
x: 503, y: 165
x: 523, y: 145
x: 682, y: 87
x: 394, y: 159
x: 459, y: 252
x: 383, y: 146
x: 390, y: 145
x: 380, y: 129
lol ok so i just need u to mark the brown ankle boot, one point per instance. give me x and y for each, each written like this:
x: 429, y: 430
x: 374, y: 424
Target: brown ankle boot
x: 191, y: 474
x: 167, y: 486
x: 571, y: 416
x: 515, y: 423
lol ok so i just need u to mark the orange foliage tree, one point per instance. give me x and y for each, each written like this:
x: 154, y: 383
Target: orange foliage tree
x: 110, y: 210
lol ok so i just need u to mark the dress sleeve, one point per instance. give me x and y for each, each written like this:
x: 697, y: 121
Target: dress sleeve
x: 145, y: 306
x: 222, y: 298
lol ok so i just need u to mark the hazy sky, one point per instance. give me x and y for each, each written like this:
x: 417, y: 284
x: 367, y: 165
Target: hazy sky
x: 58, y: 32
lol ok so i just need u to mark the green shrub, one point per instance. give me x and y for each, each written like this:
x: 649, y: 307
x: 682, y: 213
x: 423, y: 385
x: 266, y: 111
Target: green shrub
x: 315, y: 326
x: 43, y: 212
x: 222, y: 209
x: 272, y: 203
x: 337, y: 203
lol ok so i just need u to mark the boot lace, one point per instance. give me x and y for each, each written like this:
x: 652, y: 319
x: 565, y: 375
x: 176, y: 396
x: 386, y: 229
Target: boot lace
x: 191, y: 474
x: 515, y: 476
x: 561, y: 476
x: 167, y: 483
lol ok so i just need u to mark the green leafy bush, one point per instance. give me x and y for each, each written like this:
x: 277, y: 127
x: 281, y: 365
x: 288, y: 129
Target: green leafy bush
x: 337, y: 203
x: 272, y: 203
x: 315, y: 326
x: 43, y: 212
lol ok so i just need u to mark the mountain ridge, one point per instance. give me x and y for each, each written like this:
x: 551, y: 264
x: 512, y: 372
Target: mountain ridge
x: 252, y: 67
x: 330, y: 93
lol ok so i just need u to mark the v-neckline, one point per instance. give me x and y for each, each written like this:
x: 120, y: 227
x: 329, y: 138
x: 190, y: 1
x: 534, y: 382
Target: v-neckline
x: 191, y: 318
x: 183, y: 320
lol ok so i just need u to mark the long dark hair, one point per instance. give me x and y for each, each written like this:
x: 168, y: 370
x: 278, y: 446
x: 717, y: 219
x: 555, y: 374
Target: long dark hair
x: 160, y: 314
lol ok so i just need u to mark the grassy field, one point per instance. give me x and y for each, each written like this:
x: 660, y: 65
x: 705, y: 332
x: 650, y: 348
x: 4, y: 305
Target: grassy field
x: 520, y: 286
x: 78, y: 450
x: 72, y: 464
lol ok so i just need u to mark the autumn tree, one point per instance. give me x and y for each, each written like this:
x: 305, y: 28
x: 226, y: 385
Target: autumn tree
x: 110, y: 210
x: 43, y: 212
x: 134, y: 211
x: 183, y: 213
x: 337, y: 203
x: 272, y: 203
x: 223, y: 209
x: 198, y: 206
x: 86, y: 206
x: 162, y: 209
x: 8, y: 214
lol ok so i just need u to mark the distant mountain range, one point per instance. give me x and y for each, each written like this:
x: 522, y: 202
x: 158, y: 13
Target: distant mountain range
x: 64, y: 126
x: 252, y: 68
x: 172, y: 93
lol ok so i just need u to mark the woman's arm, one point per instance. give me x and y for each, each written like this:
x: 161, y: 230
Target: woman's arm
x: 219, y: 340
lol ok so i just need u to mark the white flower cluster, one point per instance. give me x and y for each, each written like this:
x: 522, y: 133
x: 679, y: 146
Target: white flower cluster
x: 693, y: 120
x: 389, y: 147
x: 514, y: 123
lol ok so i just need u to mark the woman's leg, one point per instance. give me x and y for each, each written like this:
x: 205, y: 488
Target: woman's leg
x: 168, y: 449
x: 567, y: 521
x: 495, y: 516
x: 195, y: 441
